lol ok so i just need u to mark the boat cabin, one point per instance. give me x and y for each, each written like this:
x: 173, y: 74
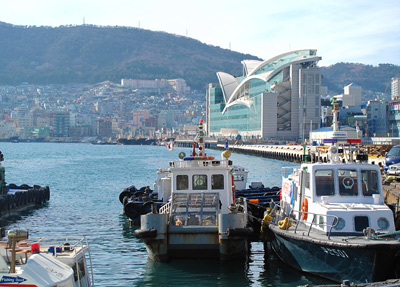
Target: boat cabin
x: 337, y: 197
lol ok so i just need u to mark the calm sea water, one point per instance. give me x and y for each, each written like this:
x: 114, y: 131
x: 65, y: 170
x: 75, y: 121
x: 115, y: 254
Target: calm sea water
x: 85, y: 182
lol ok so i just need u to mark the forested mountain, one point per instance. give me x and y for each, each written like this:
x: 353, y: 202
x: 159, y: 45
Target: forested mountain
x: 91, y: 54
x: 374, y: 78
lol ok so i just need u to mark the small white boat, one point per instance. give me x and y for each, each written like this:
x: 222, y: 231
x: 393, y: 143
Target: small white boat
x: 47, y: 261
x: 332, y: 220
x: 200, y: 216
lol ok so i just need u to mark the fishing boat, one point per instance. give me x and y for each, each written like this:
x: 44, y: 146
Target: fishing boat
x: 139, y: 201
x: 47, y: 261
x: 332, y: 220
x: 200, y: 218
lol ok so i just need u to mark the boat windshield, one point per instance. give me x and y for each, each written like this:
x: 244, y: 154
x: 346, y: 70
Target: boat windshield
x: 348, y: 182
x: 324, y: 182
x: 369, y: 179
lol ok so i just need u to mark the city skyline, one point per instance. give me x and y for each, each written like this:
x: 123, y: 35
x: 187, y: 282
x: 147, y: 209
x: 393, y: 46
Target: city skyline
x: 357, y: 31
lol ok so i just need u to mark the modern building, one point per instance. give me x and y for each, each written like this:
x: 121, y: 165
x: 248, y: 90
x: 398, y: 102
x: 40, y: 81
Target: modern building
x: 377, y: 118
x: 352, y: 96
x: 276, y: 98
x: 394, y: 119
x: 395, y: 89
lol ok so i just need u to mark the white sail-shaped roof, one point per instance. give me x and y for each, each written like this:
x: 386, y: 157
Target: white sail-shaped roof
x: 250, y: 65
x: 228, y: 84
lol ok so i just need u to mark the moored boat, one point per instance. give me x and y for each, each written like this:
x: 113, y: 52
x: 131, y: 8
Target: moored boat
x: 200, y: 216
x: 332, y: 220
x: 47, y: 261
x: 14, y: 198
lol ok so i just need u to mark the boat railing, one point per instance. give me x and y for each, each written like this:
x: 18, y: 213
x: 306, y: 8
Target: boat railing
x: 166, y: 208
x: 319, y: 222
x: 200, y: 163
x: 195, y: 209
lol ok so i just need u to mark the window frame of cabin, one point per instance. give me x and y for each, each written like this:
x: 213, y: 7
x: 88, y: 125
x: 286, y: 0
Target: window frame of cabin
x: 351, y: 187
x: 368, y: 187
x: 180, y: 182
x: 220, y: 181
x: 328, y: 182
x: 199, y: 182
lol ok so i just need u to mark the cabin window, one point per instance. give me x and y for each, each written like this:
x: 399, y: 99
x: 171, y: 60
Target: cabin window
x: 182, y: 182
x: 324, y: 182
x: 369, y: 182
x: 199, y: 181
x: 217, y: 181
x: 348, y: 182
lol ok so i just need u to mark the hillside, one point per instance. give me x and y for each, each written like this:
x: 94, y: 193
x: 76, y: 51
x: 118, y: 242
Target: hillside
x: 92, y: 54
x: 374, y: 78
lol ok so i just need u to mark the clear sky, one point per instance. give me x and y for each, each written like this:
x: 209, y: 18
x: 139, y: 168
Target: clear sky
x: 355, y: 31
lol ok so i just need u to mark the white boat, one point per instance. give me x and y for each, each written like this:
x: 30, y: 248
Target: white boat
x: 200, y: 216
x: 332, y: 220
x: 47, y: 261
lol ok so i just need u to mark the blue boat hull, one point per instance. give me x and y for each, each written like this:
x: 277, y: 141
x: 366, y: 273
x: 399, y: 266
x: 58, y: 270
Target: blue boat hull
x: 356, y: 263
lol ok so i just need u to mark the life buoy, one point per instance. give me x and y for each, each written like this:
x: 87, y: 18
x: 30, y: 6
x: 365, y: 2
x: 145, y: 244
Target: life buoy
x: 304, y: 209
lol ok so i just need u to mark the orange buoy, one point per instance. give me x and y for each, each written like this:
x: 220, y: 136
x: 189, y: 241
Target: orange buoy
x: 304, y: 209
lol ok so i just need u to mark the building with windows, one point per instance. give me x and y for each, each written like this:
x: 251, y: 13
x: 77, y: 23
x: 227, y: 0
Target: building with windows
x: 352, y: 95
x: 377, y: 118
x: 395, y: 89
x: 394, y: 119
x: 276, y: 98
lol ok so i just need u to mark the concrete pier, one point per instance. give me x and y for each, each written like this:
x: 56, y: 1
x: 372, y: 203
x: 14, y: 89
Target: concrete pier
x: 292, y: 153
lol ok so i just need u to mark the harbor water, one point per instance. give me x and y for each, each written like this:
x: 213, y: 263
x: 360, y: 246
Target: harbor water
x: 85, y: 182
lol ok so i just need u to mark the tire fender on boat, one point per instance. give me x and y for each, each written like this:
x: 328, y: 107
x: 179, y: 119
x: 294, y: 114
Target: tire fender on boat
x: 145, y: 233
x: 132, y: 209
x: 241, y: 232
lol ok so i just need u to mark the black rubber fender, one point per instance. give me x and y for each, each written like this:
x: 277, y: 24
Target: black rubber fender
x: 132, y: 209
x: 25, y: 186
x: 123, y: 194
x: 47, y: 193
x: 241, y: 232
x: 138, y: 193
x: 145, y: 233
x: 131, y: 189
x: 146, y: 207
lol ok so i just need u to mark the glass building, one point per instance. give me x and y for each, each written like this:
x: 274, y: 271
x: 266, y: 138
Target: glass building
x: 276, y: 98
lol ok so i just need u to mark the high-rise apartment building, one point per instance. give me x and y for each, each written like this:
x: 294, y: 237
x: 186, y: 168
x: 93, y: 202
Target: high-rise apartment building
x: 395, y: 89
